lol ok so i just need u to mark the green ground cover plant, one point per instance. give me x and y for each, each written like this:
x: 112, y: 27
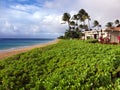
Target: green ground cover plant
x: 67, y: 65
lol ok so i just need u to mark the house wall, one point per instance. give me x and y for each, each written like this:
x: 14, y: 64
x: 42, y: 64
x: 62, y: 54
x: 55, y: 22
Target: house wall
x: 91, y: 34
x: 104, y: 34
x: 114, y: 36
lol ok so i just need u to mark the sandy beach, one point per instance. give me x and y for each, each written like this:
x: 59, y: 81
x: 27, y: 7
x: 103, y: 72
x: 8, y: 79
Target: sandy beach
x: 21, y: 50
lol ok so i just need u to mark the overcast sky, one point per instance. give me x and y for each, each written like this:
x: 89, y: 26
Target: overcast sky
x: 42, y: 18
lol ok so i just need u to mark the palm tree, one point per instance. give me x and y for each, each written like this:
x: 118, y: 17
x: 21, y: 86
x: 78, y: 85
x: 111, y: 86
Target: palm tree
x: 75, y: 17
x: 96, y: 24
x: 66, y: 17
x: 109, y: 24
x: 117, y: 22
x: 83, y: 15
x: 89, y: 19
x: 81, y: 26
x: 72, y: 24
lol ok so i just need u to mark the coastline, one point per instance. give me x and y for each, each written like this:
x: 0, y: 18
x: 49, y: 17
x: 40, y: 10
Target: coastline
x: 11, y: 52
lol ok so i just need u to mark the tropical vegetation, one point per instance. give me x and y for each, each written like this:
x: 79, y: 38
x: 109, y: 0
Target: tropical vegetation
x: 76, y: 23
x: 109, y: 24
x: 113, y: 24
x: 67, y: 65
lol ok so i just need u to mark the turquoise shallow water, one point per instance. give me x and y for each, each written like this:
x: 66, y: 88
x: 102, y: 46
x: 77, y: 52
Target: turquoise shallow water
x: 11, y: 43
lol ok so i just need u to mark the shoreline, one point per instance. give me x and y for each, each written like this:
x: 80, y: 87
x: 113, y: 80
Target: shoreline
x: 25, y: 46
x: 11, y: 52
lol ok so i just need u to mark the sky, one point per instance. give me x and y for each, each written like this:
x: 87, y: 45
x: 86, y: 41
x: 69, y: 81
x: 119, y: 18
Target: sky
x: 43, y: 18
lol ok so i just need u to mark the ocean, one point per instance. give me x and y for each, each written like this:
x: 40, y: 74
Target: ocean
x: 13, y: 43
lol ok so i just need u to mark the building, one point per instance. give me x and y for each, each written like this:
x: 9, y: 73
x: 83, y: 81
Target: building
x: 95, y: 34
x: 114, y: 33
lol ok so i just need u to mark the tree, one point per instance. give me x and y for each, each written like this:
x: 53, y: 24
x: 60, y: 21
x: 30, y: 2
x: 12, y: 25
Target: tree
x: 83, y: 15
x: 75, y: 17
x: 72, y: 24
x: 117, y: 22
x: 89, y: 19
x: 66, y: 17
x: 109, y: 24
x: 75, y: 34
x: 76, y: 23
x: 81, y: 26
x: 96, y: 24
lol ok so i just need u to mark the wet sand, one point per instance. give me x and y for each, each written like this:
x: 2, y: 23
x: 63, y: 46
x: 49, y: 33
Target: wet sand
x: 9, y: 53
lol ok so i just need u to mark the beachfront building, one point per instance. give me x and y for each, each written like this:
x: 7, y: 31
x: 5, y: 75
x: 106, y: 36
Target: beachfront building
x: 114, y: 33
x: 95, y: 34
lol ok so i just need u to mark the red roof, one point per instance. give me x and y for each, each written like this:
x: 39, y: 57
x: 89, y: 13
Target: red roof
x: 113, y: 29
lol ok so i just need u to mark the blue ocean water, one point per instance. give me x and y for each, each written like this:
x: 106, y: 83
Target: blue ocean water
x: 11, y: 43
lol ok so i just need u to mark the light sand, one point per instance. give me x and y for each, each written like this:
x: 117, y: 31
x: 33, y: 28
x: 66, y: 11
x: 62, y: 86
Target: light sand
x: 21, y: 50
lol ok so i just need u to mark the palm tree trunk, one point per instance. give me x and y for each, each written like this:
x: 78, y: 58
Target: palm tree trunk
x: 88, y: 24
x: 69, y: 28
x: 84, y: 25
x: 98, y: 31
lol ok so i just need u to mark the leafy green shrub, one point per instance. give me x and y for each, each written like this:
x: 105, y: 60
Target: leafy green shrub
x: 92, y: 40
x: 69, y: 64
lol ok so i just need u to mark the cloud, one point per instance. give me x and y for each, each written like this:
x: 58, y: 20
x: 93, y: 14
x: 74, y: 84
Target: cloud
x: 42, y: 18
x: 103, y: 10
x: 36, y: 23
